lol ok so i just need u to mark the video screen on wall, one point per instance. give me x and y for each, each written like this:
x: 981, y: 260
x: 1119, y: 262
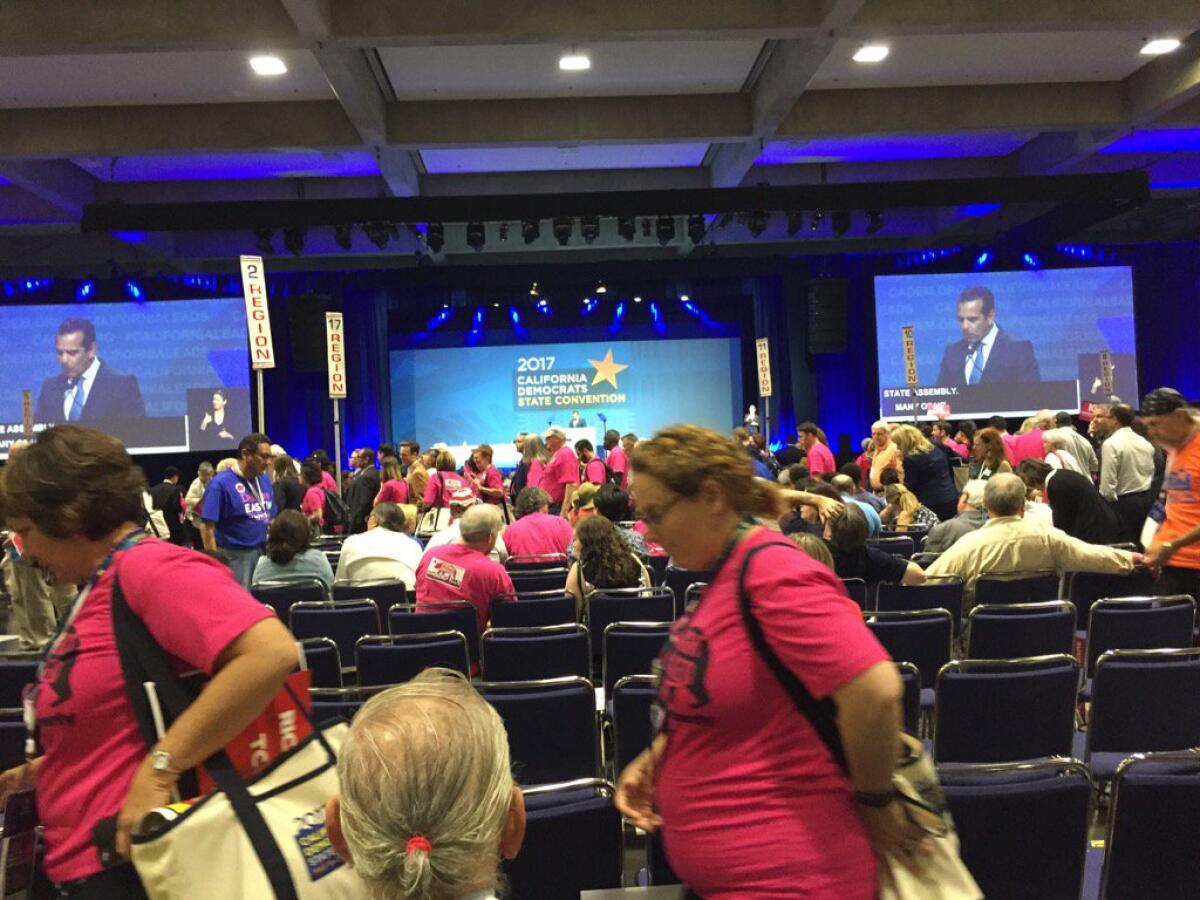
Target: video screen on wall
x: 468, y: 396
x: 1007, y: 343
x: 162, y: 376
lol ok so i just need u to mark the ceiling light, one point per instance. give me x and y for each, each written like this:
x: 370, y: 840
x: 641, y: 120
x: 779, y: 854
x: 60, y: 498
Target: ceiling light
x: 600, y: 288
x: 563, y: 226
x: 637, y: 299
x: 795, y: 221
x: 476, y: 236
x: 379, y: 233
x: 574, y: 62
x: 503, y: 231
x: 840, y: 220
x: 533, y: 290
x: 871, y: 53
x: 269, y: 65
x: 531, y: 230
x: 1159, y: 46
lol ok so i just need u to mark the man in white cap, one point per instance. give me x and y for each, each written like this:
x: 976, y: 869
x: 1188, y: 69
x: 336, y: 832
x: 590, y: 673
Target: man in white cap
x: 460, y: 501
x: 561, y: 475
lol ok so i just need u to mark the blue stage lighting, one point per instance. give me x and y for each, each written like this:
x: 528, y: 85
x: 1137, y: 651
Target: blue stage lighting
x: 480, y: 313
x: 85, y: 290
x: 1030, y: 260
x: 983, y: 259
x: 543, y: 306
x: 438, y: 320
x: 589, y: 306
x: 134, y: 290
x: 654, y: 313
x: 619, y: 313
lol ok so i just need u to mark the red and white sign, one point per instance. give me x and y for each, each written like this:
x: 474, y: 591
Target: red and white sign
x: 258, y: 319
x: 335, y: 344
x: 764, y: 367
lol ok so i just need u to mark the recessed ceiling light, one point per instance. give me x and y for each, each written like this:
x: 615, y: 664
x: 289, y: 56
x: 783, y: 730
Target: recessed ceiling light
x: 871, y: 53
x: 268, y: 65
x: 1159, y: 46
x: 574, y: 62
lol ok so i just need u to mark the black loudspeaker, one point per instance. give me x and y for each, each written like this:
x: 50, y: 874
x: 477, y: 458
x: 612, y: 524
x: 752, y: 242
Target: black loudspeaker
x: 828, y: 312
x: 306, y: 326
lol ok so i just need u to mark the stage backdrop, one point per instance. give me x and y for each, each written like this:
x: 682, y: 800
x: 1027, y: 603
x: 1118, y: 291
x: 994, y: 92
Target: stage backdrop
x: 487, y: 394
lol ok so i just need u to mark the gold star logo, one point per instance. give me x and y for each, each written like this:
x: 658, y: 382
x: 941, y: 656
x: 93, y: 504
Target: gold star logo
x: 606, y: 369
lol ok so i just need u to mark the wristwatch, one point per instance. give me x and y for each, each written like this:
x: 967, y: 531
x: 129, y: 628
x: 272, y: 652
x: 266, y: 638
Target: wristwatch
x: 160, y: 761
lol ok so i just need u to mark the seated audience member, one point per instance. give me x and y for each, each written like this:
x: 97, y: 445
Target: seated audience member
x: 384, y: 552
x: 853, y: 557
x: 795, y: 475
x: 792, y: 452
x: 312, y: 506
x: 743, y: 439
x: 1081, y: 448
x: 288, y: 491
x: 844, y: 485
x: 394, y: 489
x: 463, y: 571
x: 1058, y: 454
x: 806, y: 518
x: 854, y: 472
x: 485, y: 478
x: 443, y: 481
x: 1011, y: 542
x: 989, y: 454
x: 820, y: 458
x: 427, y: 806
x: 604, y: 561
x: 583, y: 503
x: 940, y: 432
x: 886, y: 457
x: 536, y: 532
x: 1075, y: 504
x: 460, y: 502
x: 614, y: 504
x: 593, y: 469
x: 971, y: 517
x: 814, y: 547
x: 926, y: 471
x: 288, y: 554
x: 904, y: 511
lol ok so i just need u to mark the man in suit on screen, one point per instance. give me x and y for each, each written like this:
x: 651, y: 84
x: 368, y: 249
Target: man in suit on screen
x: 986, y: 354
x: 87, y: 390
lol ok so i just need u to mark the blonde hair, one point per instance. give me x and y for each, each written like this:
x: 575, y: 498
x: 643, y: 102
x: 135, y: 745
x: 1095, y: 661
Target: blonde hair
x: 813, y: 546
x: 227, y: 463
x: 444, y: 461
x: 410, y: 516
x: 905, y: 500
x: 908, y: 440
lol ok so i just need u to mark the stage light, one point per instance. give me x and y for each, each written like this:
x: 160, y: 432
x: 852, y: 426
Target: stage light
x: 815, y: 220
x: 696, y: 228
x: 795, y: 221
x: 589, y: 306
x: 589, y: 227
x: 343, y: 235
x: 379, y: 233
x: 645, y: 228
x: 688, y: 305
x: 531, y: 230
x: 600, y: 288
x: 543, y: 306
x: 1030, y: 260
x: 435, y: 237
x: 563, y: 226
x: 618, y: 314
x: 533, y: 290
x: 1159, y: 46
x: 983, y: 259
x: 440, y: 318
x: 480, y: 314
x: 134, y: 290
x: 503, y: 231
x: 476, y: 236
x: 840, y: 219
x: 268, y: 65
x: 293, y: 239
x: 664, y: 228
x: 757, y: 222
x: 626, y: 227
x: 85, y: 289
x: 574, y: 62
x: 637, y: 299
x: 683, y: 298
x: 655, y: 313
x: 871, y: 53
x: 262, y: 242
x: 874, y: 221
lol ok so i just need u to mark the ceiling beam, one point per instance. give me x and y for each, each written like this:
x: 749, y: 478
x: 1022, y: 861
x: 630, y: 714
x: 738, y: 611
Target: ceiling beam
x: 55, y: 181
x: 882, y: 18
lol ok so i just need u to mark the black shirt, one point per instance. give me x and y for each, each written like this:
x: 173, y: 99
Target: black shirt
x: 289, y: 493
x: 870, y: 564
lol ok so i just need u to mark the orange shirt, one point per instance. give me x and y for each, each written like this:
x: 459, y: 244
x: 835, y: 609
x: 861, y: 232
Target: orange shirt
x: 1182, y: 485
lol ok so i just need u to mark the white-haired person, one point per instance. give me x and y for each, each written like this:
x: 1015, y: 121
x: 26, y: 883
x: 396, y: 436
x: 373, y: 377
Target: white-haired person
x: 427, y: 805
x: 1058, y: 453
x: 463, y: 570
x: 886, y: 456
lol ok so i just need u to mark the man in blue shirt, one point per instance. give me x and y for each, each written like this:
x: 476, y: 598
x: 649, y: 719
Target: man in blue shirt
x: 844, y: 485
x: 238, y: 507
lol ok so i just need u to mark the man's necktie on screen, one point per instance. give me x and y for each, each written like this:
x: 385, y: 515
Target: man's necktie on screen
x: 974, y: 352
x: 77, y: 401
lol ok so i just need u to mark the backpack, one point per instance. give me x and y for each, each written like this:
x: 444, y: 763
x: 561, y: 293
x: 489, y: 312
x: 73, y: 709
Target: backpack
x: 337, y: 514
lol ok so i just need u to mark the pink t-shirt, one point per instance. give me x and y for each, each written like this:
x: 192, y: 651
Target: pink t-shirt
x: 314, y: 499
x: 619, y: 463
x: 536, y: 469
x: 459, y: 572
x: 595, y: 472
x: 752, y: 802
x: 563, y: 469
x: 951, y: 444
x: 392, y: 491
x: 327, y: 481
x: 820, y: 460
x: 491, y: 478
x: 443, y: 485
x: 538, y: 533
x: 1027, y: 446
x: 655, y: 549
x: 90, y: 734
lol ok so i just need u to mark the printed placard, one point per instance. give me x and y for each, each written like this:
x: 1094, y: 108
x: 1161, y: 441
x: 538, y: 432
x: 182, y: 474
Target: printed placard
x: 910, y: 355
x: 335, y: 345
x: 258, y: 318
x: 764, y: 367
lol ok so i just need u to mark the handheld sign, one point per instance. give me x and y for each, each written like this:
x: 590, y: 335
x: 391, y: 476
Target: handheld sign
x: 258, y: 319
x: 336, y: 347
x: 910, y: 356
x: 27, y: 413
x: 764, y: 367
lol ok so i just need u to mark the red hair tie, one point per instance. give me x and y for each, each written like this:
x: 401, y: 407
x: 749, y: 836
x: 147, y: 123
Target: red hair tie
x: 418, y: 842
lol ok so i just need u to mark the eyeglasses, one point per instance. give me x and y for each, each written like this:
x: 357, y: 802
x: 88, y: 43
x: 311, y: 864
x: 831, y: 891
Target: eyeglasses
x: 655, y: 516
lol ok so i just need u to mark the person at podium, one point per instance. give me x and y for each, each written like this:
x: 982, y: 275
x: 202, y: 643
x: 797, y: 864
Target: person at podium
x: 986, y: 354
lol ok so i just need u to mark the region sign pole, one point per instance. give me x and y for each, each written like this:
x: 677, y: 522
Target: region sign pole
x: 910, y: 366
x: 258, y: 324
x: 763, y: 351
x: 335, y: 346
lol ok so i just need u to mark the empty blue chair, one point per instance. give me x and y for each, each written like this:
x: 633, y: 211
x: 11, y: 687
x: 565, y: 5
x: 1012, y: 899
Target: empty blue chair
x: 345, y: 621
x: 1085, y: 588
x: 1142, y: 700
x: 336, y: 703
x: 921, y: 637
x: 1004, y: 710
x: 898, y: 544
x: 531, y: 610
x: 454, y: 615
x: 395, y: 658
x: 573, y: 842
x: 632, y: 697
x: 910, y: 677
x: 527, y: 654
x: 657, y: 566
x: 385, y: 593
x: 15, y: 674
x: 1022, y: 827
x: 941, y: 593
x: 1014, y: 630
x: 1153, y: 837
x: 320, y: 656
x: 1139, y: 623
x: 283, y: 594
x: 1016, y: 588
x: 857, y: 589
x: 610, y: 605
x: 679, y: 580
x: 630, y: 648
x: 552, y: 725
x: 532, y: 580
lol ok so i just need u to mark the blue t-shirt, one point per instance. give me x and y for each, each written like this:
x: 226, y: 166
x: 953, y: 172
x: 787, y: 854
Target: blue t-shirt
x: 874, y: 523
x: 241, y: 509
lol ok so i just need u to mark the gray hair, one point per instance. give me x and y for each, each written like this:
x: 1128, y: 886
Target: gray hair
x: 843, y: 484
x: 205, y: 468
x: 530, y: 500
x: 479, y: 523
x: 882, y: 425
x: 1004, y: 495
x: 390, y: 516
x: 1055, y: 438
x: 430, y: 758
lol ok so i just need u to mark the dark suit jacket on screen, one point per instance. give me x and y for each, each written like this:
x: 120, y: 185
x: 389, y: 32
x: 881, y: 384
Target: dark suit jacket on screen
x: 1010, y: 361
x: 114, y: 395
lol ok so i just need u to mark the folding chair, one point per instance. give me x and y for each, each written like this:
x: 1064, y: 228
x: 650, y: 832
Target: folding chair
x: 343, y: 620
x: 895, y: 543
x: 1015, y: 630
x: 921, y: 637
x: 573, y: 841
x: 552, y: 725
x: 857, y: 589
x: 534, y: 580
x: 531, y: 610
x: 396, y: 658
x: 996, y: 588
x: 282, y: 594
x: 527, y: 654
x: 910, y: 677
x: 657, y: 566
x: 1022, y: 827
x: 940, y: 593
x: 1142, y: 700
x: 632, y: 697
x: 679, y: 580
x: 451, y: 615
x: 1005, y: 710
x: 385, y: 592
x: 336, y: 703
x: 630, y: 648
x: 15, y: 673
x: 693, y: 593
x: 319, y: 655
x: 1153, y: 837
x: 1139, y: 623
x: 1085, y: 588
x: 535, y: 562
x: 610, y: 605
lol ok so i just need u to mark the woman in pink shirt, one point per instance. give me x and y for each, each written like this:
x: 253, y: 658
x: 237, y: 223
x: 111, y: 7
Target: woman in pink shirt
x: 394, y: 489
x: 750, y: 800
x: 536, y: 456
x: 313, y: 504
x: 443, y: 480
x: 484, y: 477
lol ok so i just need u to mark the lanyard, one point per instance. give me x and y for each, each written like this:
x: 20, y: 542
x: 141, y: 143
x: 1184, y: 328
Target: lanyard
x: 255, y: 491
x: 743, y: 528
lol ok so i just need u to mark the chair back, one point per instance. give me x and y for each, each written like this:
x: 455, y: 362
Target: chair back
x: 942, y: 593
x: 336, y: 703
x: 527, y: 654
x: 396, y: 658
x: 283, y: 593
x: 1139, y: 623
x: 319, y: 655
x: 910, y: 678
x: 898, y: 544
x: 657, y: 566
x: 630, y: 648
x: 679, y: 580
x: 12, y: 740
x: 1022, y: 827
x: 343, y: 620
x: 531, y: 610
x: 535, y: 562
x: 925, y: 558
x: 610, y: 605
x: 921, y: 637
x: 632, y: 697
x: 450, y: 615
x: 573, y: 842
x: 1145, y: 700
x: 857, y: 589
x: 1017, y: 587
x: 535, y: 580
x: 1154, y: 831
x: 1004, y: 710
x: 1014, y: 630
x: 385, y: 593
x: 15, y: 674
x: 552, y: 726
x: 1085, y: 588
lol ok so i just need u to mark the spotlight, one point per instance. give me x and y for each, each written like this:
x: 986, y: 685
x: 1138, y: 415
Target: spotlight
x: 85, y: 289
x: 589, y: 227
x: 533, y: 290
x: 696, y: 229
x: 435, y: 237
x: 379, y: 233
x: 874, y: 221
x: 503, y: 231
x: 531, y: 230
x: 983, y: 259
x: 626, y: 227
x: 600, y: 288
x: 563, y: 226
x: 293, y: 239
x: 262, y: 241
x: 664, y: 228
x: 841, y: 222
x: 476, y: 236
x: 815, y: 220
x: 645, y: 228
x: 133, y: 289
x: 637, y: 299
x: 1031, y: 260
x: 757, y: 222
x: 343, y: 235
x: 795, y: 221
